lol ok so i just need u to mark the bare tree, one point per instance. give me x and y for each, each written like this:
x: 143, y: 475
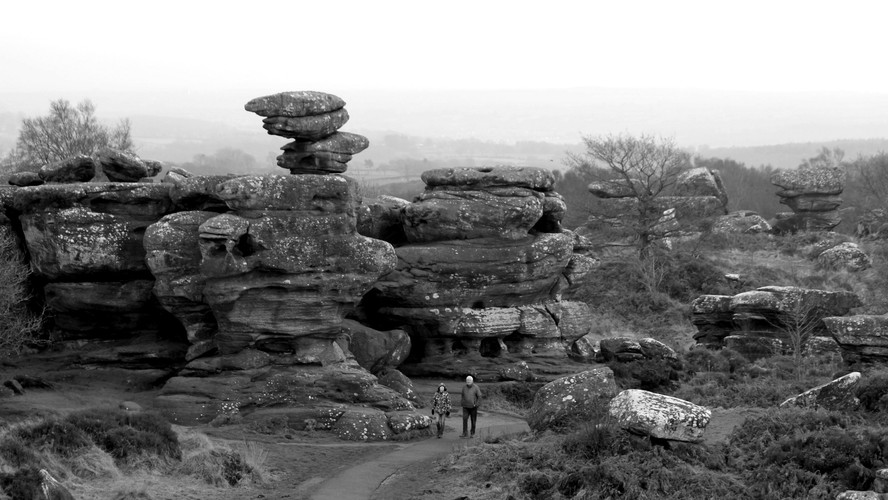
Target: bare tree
x: 66, y: 131
x: 18, y: 325
x: 646, y: 168
x: 798, y: 320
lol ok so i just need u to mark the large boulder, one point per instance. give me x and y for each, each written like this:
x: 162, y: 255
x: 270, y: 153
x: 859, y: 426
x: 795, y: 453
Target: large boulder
x: 295, y: 103
x: 25, y: 179
x: 836, y: 395
x: 847, y: 256
x: 659, y: 416
x: 812, y: 194
x: 380, y: 218
x: 701, y: 182
x: 312, y: 127
x: 481, y: 178
x: 454, y: 214
x: 862, y: 338
x: 741, y: 221
x: 626, y: 349
x: 570, y: 399
x: 79, y: 168
x: 376, y: 350
x: 122, y: 166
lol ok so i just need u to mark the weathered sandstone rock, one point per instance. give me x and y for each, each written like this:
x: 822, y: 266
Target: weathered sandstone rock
x: 862, y: 338
x: 375, y: 350
x: 701, y: 182
x: 80, y: 168
x: 836, y: 395
x: 122, y: 166
x: 743, y: 221
x: 25, y: 179
x: 570, y: 399
x: 380, y: 218
x: 659, y: 416
x: 311, y: 127
x: 847, y: 256
x: 480, y: 178
x: 298, y: 103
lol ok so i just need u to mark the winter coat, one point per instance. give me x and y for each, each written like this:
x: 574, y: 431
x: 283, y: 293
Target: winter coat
x: 441, y: 403
x: 471, y: 396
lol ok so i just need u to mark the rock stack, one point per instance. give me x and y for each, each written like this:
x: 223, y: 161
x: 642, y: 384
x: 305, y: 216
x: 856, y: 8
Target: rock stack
x: 263, y: 288
x: 862, y: 338
x: 759, y: 323
x: 478, y: 283
x: 813, y: 196
x: 312, y: 119
x: 698, y: 193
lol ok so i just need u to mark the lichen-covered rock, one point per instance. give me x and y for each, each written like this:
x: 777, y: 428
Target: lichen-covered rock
x: 587, y: 348
x: 404, y: 421
x: 701, y: 182
x: 659, y: 416
x: 344, y: 143
x: 79, y: 168
x: 574, y: 398
x: 364, y: 424
x: 153, y: 167
x: 314, y: 163
x: 516, y: 371
x: 828, y: 181
x: 295, y: 103
x: 836, y: 395
x: 311, y: 127
x: 122, y: 166
x: 861, y: 495
x: 25, y: 179
x: 375, y: 350
x: 760, y: 321
x: 173, y: 256
x: 880, y: 483
x: 476, y: 273
x: 315, y: 193
x: 625, y: 349
x: 862, y: 338
x: 742, y: 221
x: 501, y: 212
x: 481, y: 178
x: 398, y: 382
x: 616, y: 188
x: 847, y: 256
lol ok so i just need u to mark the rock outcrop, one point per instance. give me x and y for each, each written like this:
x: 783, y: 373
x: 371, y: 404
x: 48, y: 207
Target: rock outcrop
x: 571, y: 399
x: 478, y: 283
x: 759, y: 323
x: 698, y: 194
x: 836, y: 395
x: 845, y: 256
x: 247, y: 279
x: 741, y: 221
x: 813, y: 196
x: 659, y: 416
x: 862, y: 338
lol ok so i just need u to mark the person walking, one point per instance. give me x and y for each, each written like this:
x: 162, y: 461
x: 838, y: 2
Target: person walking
x: 471, y: 398
x: 441, y: 407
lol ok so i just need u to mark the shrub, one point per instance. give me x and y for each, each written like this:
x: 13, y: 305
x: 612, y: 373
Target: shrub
x: 58, y: 437
x: 126, y: 436
x: 873, y: 391
x: 726, y: 360
x: 23, y: 483
x: 218, y: 467
x: 18, y: 325
x: 535, y: 484
x: 596, y: 440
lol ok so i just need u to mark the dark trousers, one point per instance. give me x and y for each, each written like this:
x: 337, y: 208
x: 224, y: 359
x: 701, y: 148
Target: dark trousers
x: 469, y: 412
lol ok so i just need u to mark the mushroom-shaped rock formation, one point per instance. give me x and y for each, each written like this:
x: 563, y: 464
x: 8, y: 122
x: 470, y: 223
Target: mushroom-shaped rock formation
x: 813, y: 196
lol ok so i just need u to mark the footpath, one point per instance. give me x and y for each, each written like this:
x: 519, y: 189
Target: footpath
x: 362, y: 481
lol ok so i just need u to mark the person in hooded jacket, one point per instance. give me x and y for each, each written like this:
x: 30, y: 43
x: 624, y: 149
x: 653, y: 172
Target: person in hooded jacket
x: 441, y: 407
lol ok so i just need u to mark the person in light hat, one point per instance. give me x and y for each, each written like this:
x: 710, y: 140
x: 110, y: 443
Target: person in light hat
x: 441, y: 407
x: 471, y: 398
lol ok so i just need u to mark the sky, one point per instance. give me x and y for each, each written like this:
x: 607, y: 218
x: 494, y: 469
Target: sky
x: 189, y: 45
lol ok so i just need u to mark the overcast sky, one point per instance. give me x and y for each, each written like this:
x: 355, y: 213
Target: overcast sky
x: 479, y: 44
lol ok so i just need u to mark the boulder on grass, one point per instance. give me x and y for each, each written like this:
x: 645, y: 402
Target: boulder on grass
x: 51, y: 489
x: 573, y: 398
x: 659, y: 416
x: 400, y: 383
x: 836, y: 395
x: 364, y: 424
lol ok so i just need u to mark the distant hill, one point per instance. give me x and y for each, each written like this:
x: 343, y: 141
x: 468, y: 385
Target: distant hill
x: 790, y: 155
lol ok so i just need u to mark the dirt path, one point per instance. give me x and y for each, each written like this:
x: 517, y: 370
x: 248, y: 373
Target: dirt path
x: 398, y: 473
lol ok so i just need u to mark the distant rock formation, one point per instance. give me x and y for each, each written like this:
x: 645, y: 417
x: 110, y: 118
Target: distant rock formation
x: 813, y: 196
x: 477, y: 283
x: 755, y: 322
x: 741, y: 221
x: 862, y: 338
x: 698, y: 194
